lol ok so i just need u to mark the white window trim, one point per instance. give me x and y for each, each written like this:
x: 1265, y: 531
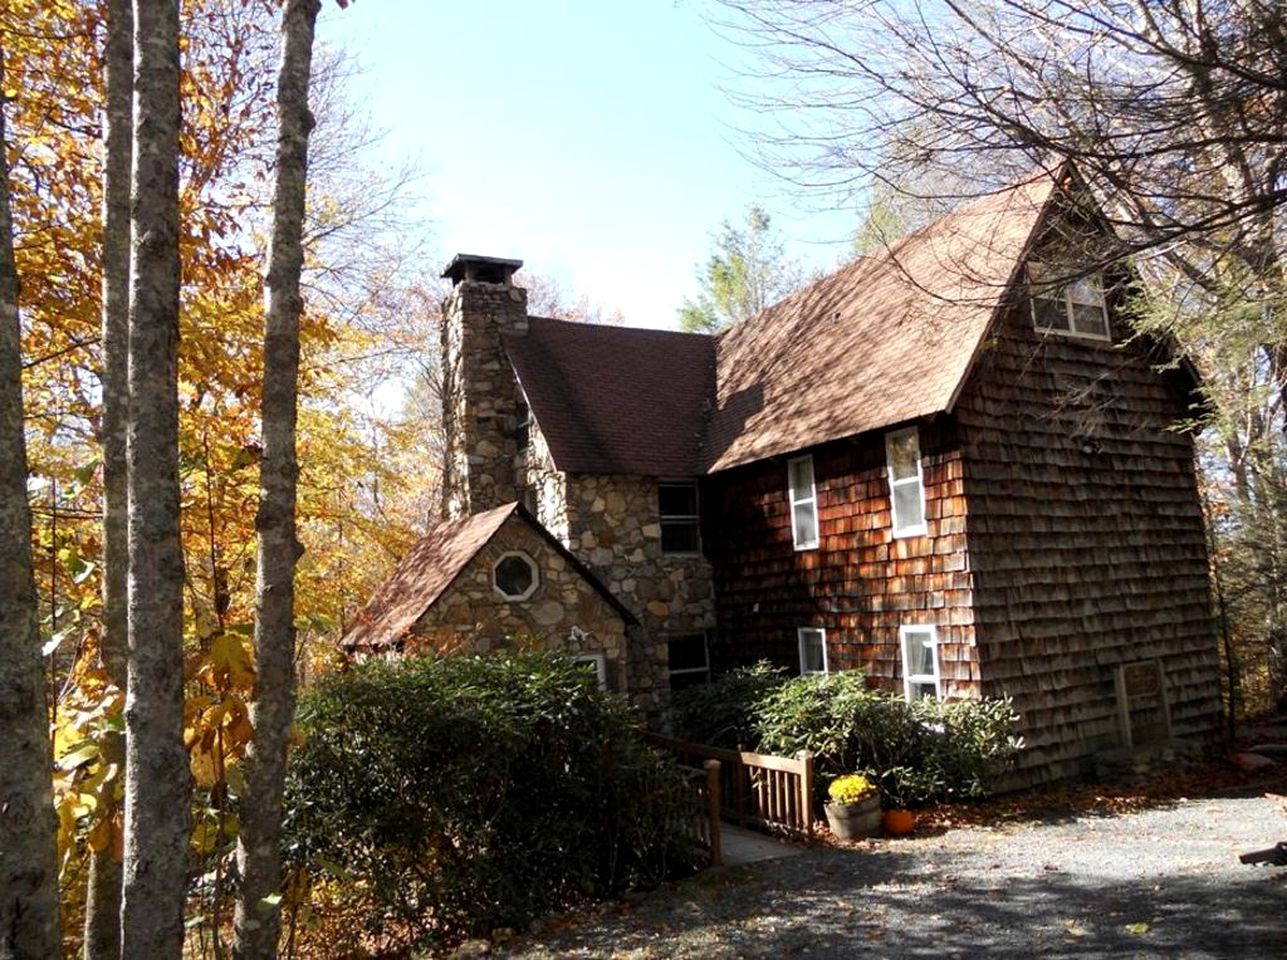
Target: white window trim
x: 799, y: 639
x: 695, y: 519
x: 916, y: 529
x: 536, y: 576
x: 1064, y: 294
x: 904, y: 633
x: 811, y: 500
x: 706, y: 651
x: 600, y: 662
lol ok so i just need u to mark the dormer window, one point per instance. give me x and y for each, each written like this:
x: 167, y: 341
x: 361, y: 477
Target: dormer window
x: 1075, y: 309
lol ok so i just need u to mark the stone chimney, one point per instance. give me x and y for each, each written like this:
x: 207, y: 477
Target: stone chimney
x: 480, y: 397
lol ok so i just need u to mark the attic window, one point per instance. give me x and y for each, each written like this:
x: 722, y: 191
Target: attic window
x: 1075, y: 309
x: 677, y: 510
x: 515, y: 576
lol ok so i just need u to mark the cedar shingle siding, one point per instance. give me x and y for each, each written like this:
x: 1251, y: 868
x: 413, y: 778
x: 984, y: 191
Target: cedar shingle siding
x: 1085, y: 538
x: 861, y: 584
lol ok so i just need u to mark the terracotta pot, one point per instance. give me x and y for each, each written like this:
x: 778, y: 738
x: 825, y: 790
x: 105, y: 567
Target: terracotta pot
x: 853, y: 821
x: 899, y: 823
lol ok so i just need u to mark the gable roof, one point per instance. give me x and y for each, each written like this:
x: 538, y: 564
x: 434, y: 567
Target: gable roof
x: 432, y: 565
x: 617, y: 399
x: 884, y: 340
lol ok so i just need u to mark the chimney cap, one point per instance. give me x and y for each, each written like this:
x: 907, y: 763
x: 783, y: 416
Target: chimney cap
x: 471, y: 266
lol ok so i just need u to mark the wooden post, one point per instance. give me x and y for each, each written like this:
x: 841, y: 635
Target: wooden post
x: 806, y: 791
x: 1163, y: 699
x: 1123, y: 707
x: 712, y: 809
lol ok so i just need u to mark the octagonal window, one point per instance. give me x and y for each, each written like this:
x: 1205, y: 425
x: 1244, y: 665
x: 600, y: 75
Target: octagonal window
x: 515, y: 576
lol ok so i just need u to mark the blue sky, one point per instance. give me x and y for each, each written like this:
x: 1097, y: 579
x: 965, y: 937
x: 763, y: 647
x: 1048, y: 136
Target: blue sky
x: 593, y: 140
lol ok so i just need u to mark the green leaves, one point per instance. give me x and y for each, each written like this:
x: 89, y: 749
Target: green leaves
x: 476, y: 791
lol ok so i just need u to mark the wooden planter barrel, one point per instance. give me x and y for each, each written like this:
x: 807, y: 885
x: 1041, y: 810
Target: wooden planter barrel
x: 853, y: 821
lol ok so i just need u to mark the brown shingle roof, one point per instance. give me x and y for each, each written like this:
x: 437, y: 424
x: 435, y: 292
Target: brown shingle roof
x: 884, y: 340
x: 421, y: 577
x: 429, y: 568
x: 617, y: 399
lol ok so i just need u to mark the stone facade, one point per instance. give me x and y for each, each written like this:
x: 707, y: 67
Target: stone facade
x: 611, y: 523
x: 480, y: 405
x: 564, y: 611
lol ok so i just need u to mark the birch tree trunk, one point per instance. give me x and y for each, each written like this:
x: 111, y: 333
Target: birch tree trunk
x: 103, y: 890
x: 28, y: 862
x: 258, y: 917
x: 156, y: 769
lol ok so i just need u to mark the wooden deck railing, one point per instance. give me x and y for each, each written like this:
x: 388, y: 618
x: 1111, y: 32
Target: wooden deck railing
x: 754, y: 788
x: 704, y: 783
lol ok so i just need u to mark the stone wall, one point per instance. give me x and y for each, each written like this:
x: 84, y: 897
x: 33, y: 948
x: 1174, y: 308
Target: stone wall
x: 564, y: 612
x: 480, y: 396
x: 544, y: 487
x: 613, y: 526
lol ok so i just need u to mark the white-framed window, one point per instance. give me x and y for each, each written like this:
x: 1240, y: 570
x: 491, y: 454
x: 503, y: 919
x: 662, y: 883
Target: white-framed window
x: 677, y: 512
x: 906, y: 482
x: 1075, y: 309
x: 804, y: 503
x: 688, y: 660
x: 920, y: 662
x: 515, y: 576
x: 596, y: 664
x: 813, y: 650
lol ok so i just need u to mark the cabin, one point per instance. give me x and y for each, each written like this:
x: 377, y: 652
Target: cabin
x: 953, y: 466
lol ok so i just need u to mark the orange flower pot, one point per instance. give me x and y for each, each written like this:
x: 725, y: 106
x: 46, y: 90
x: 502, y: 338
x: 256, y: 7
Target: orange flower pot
x: 899, y: 823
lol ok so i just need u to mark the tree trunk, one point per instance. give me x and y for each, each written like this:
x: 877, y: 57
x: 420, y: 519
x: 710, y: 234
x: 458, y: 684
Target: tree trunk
x: 28, y: 861
x: 258, y: 917
x: 103, y: 890
x: 156, y: 769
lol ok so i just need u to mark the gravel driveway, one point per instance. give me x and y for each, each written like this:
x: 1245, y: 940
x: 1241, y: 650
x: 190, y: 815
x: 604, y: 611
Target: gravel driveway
x: 1162, y: 883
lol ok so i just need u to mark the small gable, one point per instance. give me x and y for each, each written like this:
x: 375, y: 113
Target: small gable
x: 492, y: 575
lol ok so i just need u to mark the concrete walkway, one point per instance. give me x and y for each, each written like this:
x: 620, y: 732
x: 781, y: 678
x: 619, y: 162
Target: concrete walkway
x: 740, y: 845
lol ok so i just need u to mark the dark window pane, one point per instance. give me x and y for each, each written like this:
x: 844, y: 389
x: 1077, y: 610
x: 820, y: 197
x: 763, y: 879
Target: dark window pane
x: 514, y: 576
x: 687, y: 652
x: 801, y: 472
x: 1090, y: 320
x: 680, y: 536
x: 806, y: 524
x: 1050, y: 314
x: 523, y: 427
x: 811, y: 658
x: 904, y: 452
x: 682, y: 681
x: 677, y: 499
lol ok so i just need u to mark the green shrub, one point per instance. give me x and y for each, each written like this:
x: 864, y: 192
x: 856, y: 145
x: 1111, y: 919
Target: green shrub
x: 915, y: 753
x: 451, y: 797
x: 723, y: 713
